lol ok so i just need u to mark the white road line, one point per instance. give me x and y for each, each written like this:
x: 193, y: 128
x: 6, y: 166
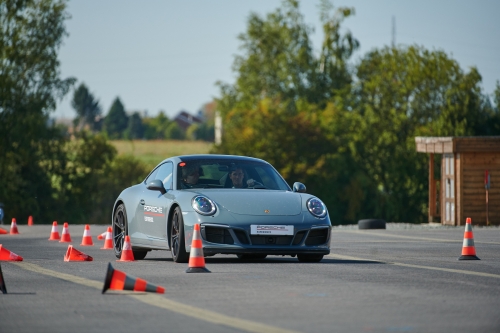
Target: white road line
x: 360, y: 232
x: 164, y: 303
x: 450, y: 270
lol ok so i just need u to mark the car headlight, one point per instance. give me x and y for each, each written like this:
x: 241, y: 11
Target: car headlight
x: 316, y: 207
x: 203, y: 205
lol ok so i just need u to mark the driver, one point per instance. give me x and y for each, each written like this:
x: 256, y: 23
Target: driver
x: 237, y: 175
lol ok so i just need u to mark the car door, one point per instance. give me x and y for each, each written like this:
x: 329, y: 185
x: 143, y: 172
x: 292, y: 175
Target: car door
x: 155, y: 207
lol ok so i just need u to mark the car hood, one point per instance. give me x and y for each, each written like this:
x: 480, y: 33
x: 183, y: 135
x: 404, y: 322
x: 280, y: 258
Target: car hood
x: 258, y: 202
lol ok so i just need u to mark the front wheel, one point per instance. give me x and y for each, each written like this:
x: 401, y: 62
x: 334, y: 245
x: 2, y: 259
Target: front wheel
x: 177, y: 241
x: 309, y: 257
x: 119, y: 229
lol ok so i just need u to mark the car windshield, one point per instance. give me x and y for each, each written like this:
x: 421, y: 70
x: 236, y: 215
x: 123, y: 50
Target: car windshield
x: 229, y: 174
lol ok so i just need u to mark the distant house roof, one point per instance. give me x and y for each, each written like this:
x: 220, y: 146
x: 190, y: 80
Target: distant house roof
x: 185, y: 119
x: 457, y: 144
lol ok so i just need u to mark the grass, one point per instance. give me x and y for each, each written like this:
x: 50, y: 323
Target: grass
x: 154, y: 151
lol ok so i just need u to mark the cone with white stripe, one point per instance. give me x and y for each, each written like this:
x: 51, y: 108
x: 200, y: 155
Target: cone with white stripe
x: 127, y: 254
x: 108, y: 243
x: 65, y: 237
x: 87, y: 237
x: 73, y: 254
x: 468, y: 248
x: 13, y: 227
x: 6, y: 255
x: 102, y: 236
x: 196, y: 257
x: 54, y: 233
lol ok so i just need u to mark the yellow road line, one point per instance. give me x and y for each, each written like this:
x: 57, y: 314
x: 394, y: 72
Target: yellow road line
x: 359, y: 232
x: 450, y: 270
x: 164, y: 303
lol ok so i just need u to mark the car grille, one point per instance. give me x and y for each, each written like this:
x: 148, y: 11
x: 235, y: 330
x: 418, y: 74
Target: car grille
x: 218, y: 235
x: 317, y: 237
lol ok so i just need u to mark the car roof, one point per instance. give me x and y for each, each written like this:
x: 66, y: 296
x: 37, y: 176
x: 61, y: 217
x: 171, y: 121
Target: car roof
x: 193, y: 157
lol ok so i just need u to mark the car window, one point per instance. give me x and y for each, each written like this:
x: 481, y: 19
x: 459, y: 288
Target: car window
x: 151, y: 176
x: 165, y: 175
x: 206, y: 173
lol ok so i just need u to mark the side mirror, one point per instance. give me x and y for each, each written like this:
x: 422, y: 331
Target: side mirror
x: 156, y: 185
x: 299, y: 187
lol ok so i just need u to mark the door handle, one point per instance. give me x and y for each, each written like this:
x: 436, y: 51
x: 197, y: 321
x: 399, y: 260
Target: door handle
x: 143, y: 202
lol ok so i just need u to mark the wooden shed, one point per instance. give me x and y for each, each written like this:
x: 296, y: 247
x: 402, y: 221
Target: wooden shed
x: 469, y: 185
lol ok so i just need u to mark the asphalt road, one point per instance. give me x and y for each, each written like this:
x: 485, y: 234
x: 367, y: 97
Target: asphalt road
x: 373, y: 281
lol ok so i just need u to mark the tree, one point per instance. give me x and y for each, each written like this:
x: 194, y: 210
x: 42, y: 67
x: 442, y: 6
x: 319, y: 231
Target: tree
x: 31, y: 33
x: 86, y: 107
x: 400, y: 93
x: 174, y: 132
x: 135, y: 128
x: 154, y: 128
x: 116, y: 121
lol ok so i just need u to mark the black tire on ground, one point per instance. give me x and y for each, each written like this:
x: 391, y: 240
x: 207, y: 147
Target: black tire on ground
x: 371, y: 224
x: 139, y: 254
x: 177, y: 241
x: 120, y: 226
x: 252, y: 256
x: 309, y: 257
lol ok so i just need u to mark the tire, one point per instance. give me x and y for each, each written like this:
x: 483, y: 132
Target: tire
x: 310, y: 257
x: 177, y: 241
x: 120, y: 229
x: 371, y: 224
x: 139, y: 254
x: 252, y: 256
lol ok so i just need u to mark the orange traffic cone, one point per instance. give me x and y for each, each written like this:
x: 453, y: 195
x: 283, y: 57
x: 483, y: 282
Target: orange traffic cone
x: 118, y: 280
x: 54, y: 234
x: 65, y: 237
x: 3, y: 288
x: 127, y: 254
x: 87, y: 238
x: 30, y: 220
x: 108, y: 243
x: 102, y: 236
x: 73, y: 254
x: 468, y: 249
x: 3, y: 231
x: 6, y: 255
x: 196, y: 257
x: 13, y: 227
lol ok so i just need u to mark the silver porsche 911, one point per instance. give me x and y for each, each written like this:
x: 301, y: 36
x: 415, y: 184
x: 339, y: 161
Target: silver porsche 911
x: 243, y: 205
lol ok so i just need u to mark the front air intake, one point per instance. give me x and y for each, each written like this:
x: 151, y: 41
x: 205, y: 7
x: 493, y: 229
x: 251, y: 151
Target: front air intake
x: 317, y: 237
x: 218, y: 235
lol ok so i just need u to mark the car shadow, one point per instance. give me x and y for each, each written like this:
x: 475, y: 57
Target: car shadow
x: 272, y: 260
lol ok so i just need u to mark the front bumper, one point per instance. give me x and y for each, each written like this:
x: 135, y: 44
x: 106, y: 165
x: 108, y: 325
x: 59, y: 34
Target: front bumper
x: 224, y: 239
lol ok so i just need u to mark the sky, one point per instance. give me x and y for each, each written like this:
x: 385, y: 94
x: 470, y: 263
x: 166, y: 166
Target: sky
x: 168, y: 54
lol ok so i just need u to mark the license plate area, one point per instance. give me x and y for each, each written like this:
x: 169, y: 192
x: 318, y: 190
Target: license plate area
x: 271, y: 230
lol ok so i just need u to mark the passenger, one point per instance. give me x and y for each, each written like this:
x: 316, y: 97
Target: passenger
x: 190, y: 175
